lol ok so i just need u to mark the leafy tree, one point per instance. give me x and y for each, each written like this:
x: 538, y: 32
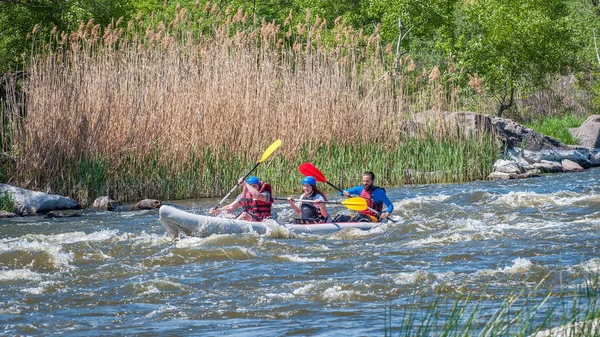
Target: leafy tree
x: 585, y: 16
x: 515, y: 44
x: 19, y: 17
x: 427, y: 19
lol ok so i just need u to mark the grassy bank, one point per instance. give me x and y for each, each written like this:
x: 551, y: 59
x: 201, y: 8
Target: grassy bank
x: 558, y: 127
x: 182, y: 108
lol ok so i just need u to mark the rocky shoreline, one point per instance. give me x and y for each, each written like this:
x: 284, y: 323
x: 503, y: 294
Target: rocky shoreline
x: 529, y: 153
x: 525, y: 154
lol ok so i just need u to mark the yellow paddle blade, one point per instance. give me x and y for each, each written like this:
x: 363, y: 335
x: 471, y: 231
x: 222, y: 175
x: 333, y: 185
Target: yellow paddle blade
x: 355, y: 204
x: 270, y: 150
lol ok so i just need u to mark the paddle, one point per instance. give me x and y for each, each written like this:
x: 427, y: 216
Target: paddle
x: 265, y: 155
x: 309, y: 169
x: 355, y: 204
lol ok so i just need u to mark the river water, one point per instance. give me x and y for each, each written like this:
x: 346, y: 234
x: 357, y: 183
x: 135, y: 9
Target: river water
x: 117, y: 273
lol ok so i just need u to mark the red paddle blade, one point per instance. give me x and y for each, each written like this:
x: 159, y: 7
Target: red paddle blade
x: 309, y: 169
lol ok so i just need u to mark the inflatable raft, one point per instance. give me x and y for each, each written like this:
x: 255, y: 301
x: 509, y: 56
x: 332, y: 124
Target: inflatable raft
x: 178, y: 222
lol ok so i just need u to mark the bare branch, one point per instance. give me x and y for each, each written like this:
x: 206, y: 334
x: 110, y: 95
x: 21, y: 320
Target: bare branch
x: 596, y: 46
x: 399, y: 52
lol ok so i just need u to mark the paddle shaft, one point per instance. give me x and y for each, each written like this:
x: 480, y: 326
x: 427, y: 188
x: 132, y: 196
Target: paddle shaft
x: 311, y: 201
x: 310, y: 169
x: 265, y: 155
x: 234, y: 187
x: 370, y: 209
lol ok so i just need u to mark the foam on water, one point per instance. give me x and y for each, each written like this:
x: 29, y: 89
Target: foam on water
x: 337, y: 294
x: 407, y: 278
x: 42, y: 240
x: 162, y: 310
x: 300, y: 259
x: 542, y: 200
x: 40, y: 289
x: 421, y: 200
x: 218, y: 240
x: 277, y: 297
x: 519, y: 265
x: 19, y: 274
x: 306, y: 289
x: 433, y: 240
x: 592, y: 266
x: 146, y: 239
x: 55, y: 245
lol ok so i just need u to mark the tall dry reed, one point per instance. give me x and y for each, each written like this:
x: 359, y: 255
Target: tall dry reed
x: 205, y: 90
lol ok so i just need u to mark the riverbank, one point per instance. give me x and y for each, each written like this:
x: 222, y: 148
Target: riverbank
x: 513, y: 257
x: 156, y: 111
x: 522, y: 153
x: 414, y: 160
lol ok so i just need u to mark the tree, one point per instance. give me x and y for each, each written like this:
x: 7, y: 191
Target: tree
x: 514, y: 44
x: 19, y: 17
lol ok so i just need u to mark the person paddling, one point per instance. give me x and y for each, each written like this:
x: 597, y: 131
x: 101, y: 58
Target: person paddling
x: 255, y: 199
x: 311, y: 212
x: 375, y: 196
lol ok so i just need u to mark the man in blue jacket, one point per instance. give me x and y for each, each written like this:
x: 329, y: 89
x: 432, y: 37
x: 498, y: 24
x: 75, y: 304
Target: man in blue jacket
x: 375, y: 196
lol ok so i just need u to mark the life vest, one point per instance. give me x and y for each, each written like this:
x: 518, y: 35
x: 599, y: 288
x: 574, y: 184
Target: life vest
x: 371, y: 203
x: 311, y: 211
x: 259, y: 210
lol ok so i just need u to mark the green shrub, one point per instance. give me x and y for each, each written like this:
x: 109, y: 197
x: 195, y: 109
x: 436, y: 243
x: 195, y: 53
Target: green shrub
x: 558, y: 127
x: 6, y: 202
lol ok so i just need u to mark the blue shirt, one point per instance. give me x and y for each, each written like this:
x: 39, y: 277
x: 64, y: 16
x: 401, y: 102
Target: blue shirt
x: 378, y: 196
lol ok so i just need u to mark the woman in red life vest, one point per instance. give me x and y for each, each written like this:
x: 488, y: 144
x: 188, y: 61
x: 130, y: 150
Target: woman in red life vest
x: 255, y: 199
x: 311, y: 212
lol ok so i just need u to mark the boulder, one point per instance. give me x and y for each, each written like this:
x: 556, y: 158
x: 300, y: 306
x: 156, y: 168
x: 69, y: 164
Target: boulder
x: 53, y: 214
x: 499, y: 176
x: 28, y: 202
x: 5, y: 214
x: 571, y: 166
x: 529, y: 174
x: 525, y: 152
x: 506, y: 176
x: 577, y: 155
x: 594, y: 157
x: 546, y: 166
x: 520, y: 143
x: 588, y: 134
x: 106, y: 203
x: 535, y: 147
x: 508, y: 166
x: 146, y: 204
x: 517, y: 136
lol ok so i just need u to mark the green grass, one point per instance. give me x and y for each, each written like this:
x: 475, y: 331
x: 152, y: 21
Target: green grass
x: 6, y: 202
x: 558, y: 127
x: 521, y: 312
x: 213, y: 172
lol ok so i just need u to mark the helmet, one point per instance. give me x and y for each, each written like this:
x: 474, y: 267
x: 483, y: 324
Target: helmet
x: 253, y: 180
x: 309, y: 180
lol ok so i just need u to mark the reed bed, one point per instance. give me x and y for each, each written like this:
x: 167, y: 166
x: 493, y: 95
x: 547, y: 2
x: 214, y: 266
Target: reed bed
x: 529, y: 311
x: 182, y: 108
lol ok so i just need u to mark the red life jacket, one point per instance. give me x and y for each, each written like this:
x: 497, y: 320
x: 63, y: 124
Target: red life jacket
x: 259, y: 210
x: 371, y: 203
